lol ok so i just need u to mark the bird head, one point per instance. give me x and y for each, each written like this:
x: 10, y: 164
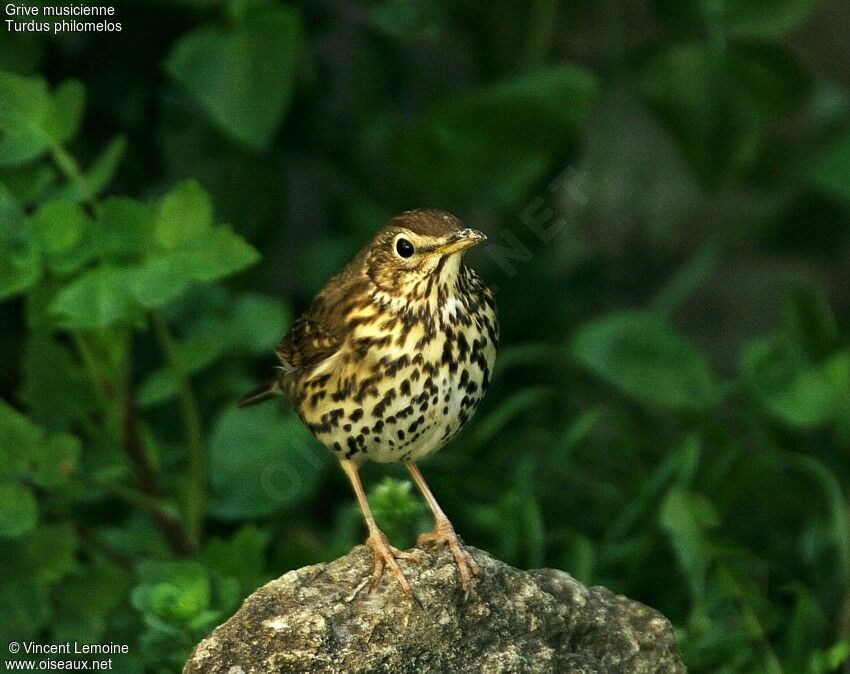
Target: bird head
x: 417, y: 251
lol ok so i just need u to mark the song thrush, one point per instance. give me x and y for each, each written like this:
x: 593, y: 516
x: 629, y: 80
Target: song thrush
x: 392, y: 359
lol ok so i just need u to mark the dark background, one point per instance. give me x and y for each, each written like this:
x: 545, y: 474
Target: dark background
x: 666, y: 187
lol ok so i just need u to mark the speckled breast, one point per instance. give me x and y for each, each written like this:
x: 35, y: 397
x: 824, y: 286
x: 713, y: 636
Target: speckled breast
x: 403, y: 384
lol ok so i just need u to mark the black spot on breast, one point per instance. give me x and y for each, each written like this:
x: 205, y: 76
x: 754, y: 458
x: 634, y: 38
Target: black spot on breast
x: 416, y: 424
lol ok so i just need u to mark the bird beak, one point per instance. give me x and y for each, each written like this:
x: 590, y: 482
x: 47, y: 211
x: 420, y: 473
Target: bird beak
x: 465, y: 238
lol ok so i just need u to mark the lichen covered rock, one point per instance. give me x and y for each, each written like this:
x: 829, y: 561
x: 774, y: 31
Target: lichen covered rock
x: 312, y: 620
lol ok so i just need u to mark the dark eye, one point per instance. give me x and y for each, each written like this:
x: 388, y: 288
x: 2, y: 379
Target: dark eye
x: 403, y: 247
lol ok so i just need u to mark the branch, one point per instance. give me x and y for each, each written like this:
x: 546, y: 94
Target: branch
x: 172, y: 530
x: 145, y: 473
x: 196, y: 492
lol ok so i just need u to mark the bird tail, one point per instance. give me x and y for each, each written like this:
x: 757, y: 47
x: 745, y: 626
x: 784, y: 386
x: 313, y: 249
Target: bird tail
x: 268, y: 390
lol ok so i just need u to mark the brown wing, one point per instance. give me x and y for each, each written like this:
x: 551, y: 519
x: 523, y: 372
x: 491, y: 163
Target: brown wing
x: 320, y: 332
x: 308, y: 343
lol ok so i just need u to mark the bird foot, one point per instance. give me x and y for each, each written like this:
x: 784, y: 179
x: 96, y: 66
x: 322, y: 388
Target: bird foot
x: 444, y: 534
x: 386, y: 556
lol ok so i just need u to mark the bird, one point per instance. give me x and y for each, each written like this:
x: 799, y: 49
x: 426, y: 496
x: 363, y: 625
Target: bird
x: 390, y: 361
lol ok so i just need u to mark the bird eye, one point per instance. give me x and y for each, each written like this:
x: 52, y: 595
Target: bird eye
x: 403, y: 247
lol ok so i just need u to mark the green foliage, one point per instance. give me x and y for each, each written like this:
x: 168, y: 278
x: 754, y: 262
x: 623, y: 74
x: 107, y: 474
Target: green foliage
x: 643, y: 357
x: 493, y: 143
x: 242, y: 75
x: 275, y: 466
x: 719, y: 104
x: 396, y: 507
x: 34, y: 120
x: 180, y: 602
x: 666, y: 194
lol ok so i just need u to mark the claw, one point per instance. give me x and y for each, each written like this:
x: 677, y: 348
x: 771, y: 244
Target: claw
x: 444, y: 534
x: 385, y: 555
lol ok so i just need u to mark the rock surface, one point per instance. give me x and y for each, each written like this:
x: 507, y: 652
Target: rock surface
x: 514, y: 621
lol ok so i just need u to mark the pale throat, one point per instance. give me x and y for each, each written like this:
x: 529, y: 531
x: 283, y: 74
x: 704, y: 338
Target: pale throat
x: 429, y: 291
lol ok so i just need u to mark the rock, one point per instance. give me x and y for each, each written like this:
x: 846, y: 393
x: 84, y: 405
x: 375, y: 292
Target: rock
x: 513, y: 621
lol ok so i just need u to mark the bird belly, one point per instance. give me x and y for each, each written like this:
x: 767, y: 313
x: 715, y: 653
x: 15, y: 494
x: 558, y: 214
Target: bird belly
x: 399, y: 402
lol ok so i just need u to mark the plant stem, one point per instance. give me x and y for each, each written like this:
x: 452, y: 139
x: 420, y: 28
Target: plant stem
x: 145, y: 472
x: 166, y: 520
x: 93, y: 541
x: 101, y: 383
x: 69, y: 167
x: 195, y: 490
x: 127, y: 432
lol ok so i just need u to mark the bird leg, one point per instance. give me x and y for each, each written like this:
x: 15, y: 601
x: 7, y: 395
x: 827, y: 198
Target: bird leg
x: 383, y: 554
x: 444, y: 533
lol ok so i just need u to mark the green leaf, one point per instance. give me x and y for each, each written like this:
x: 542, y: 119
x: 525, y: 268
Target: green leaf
x: 29, y: 452
x: 176, y: 592
x: 25, y: 111
x: 242, y: 557
x: 56, y: 461
x: 809, y: 324
x: 51, y: 552
x: 158, y: 281
x: 184, y: 213
x: 118, y: 295
x: 125, y: 229
x: 20, y: 264
x: 20, y: 439
x: 58, y: 226
x: 211, y: 255
x: 28, y: 183
x: 196, y: 353
x: 396, y: 508
x: 643, y: 357
x: 69, y: 102
x: 18, y: 510
x: 215, y: 254
x: 31, y: 120
x: 251, y: 323
x: 802, y: 396
x: 494, y: 142
x: 19, y: 270
x: 243, y: 76
x: 721, y: 107
x: 85, y: 600
x: 26, y: 607
x: 256, y: 322
x: 103, y: 169
x: 98, y: 299
x: 260, y: 462
x: 687, y: 517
